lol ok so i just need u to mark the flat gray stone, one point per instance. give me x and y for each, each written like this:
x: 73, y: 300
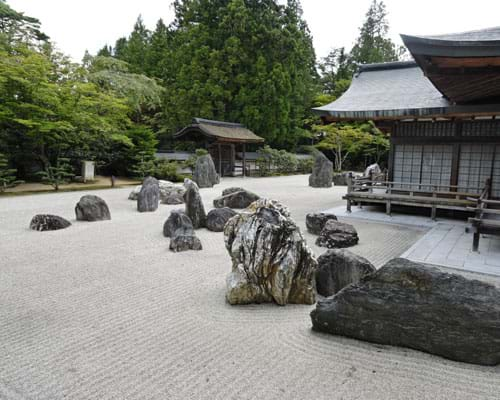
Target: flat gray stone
x: 182, y: 242
x: 235, y: 198
x: 412, y: 305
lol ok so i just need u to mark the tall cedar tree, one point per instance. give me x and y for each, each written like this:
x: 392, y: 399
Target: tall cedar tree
x: 250, y: 61
x: 371, y: 46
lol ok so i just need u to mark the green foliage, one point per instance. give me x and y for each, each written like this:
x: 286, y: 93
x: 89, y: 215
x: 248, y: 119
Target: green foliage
x: 59, y: 174
x: 16, y: 26
x: 272, y: 161
x: 168, y: 170
x: 143, y: 165
x: 7, y: 175
x: 360, y: 143
x: 305, y: 165
x: 231, y: 60
x: 371, y: 46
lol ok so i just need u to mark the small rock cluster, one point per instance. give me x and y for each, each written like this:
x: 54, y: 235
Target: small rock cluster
x: 170, y: 193
x: 332, y: 233
x: 179, y: 228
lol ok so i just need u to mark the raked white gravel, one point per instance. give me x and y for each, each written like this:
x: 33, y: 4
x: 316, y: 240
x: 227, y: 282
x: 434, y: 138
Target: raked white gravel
x: 104, y: 311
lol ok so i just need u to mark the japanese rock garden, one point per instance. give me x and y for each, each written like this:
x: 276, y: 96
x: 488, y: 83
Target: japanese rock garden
x: 249, y: 199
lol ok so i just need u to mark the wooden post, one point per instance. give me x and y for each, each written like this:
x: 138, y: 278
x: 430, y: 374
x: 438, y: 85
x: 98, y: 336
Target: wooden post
x: 220, y: 159
x: 434, y: 208
x: 475, y: 241
x: 349, y: 190
x: 244, y: 160
x: 388, y: 203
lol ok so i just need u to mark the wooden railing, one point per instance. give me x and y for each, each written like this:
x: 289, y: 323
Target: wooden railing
x: 429, y: 195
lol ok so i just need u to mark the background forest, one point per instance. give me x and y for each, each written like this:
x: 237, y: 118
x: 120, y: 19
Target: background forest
x: 248, y: 61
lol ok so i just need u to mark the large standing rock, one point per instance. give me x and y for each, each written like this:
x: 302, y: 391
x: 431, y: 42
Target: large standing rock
x: 204, y: 173
x: 412, y: 305
x: 235, y: 198
x: 149, y: 196
x: 322, y: 173
x: 48, y: 222
x: 92, y: 208
x: 194, y: 205
x: 271, y: 261
x: 315, y: 222
x: 217, y: 218
x: 177, y: 222
x: 337, y: 235
x: 339, y: 268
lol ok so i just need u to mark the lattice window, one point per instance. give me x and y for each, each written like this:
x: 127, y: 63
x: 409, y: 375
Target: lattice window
x: 476, y: 161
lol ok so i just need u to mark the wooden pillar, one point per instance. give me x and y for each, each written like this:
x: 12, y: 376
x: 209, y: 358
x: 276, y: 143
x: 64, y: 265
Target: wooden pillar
x: 220, y: 159
x: 455, y: 160
x: 244, y: 160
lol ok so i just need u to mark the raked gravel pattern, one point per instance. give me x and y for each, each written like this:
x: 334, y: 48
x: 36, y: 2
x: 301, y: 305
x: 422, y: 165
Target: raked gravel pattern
x: 104, y: 311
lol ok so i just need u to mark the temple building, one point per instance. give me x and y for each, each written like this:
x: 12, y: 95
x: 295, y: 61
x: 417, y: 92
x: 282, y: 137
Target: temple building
x: 225, y: 141
x: 441, y: 111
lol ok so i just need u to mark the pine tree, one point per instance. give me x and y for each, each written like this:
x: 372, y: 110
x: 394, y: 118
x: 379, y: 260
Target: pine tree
x: 58, y: 174
x: 373, y: 45
x: 7, y: 175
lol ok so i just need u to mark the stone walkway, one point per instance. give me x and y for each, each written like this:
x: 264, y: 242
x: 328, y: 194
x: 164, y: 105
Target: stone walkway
x: 446, y: 243
x: 104, y: 311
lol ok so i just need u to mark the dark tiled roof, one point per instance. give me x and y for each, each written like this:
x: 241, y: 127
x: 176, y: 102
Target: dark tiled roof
x: 223, y: 131
x: 386, y: 90
x: 479, y: 35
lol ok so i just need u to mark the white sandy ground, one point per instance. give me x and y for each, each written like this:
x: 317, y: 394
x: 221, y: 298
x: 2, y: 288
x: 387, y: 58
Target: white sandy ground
x: 104, y: 311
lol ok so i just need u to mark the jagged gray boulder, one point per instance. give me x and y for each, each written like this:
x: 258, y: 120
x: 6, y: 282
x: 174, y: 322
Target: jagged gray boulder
x: 270, y: 258
x: 235, y: 198
x: 183, y: 242
x: 48, y: 222
x: 92, y: 208
x: 177, y: 222
x: 337, y: 235
x: 315, y: 222
x: 204, y: 173
x: 218, y: 217
x: 194, y: 205
x: 148, y: 198
x: 413, y: 305
x: 338, y: 268
x: 322, y: 173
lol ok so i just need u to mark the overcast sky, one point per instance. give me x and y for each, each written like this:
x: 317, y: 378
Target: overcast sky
x: 77, y: 25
